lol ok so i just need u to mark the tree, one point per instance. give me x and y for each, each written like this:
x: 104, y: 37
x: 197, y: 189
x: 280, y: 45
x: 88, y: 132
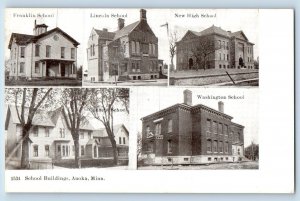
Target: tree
x: 173, y: 39
x: 102, y: 104
x: 204, y: 47
x: 32, y: 100
x: 74, y: 101
x: 139, y: 145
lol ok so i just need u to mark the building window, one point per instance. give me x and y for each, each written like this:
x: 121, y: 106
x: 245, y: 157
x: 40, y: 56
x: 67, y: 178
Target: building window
x: 36, y: 67
x: 46, y: 150
x: 48, y: 51
x: 227, y: 46
x: 82, y: 150
x: 220, y: 66
x: 226, y: 147
x: 73, y: 53
x: 208, y: 126
x: 138, y: 67
x: 62, y: 52
x: 220, y: 147
x: 137, y: 47
x: 208, y: 146
x: 215, y: 127
x: 223, y: 56
x: 150, y: 48
x: 157, y: 129
x: 22, y: 52
x: 124, y: 141
x: 149, y: 147
x: 133, y: 47
x: 220, y: 56
x: 47, y: 133
x: 22, y: 64
x: 239, y: 152
x: 169, y: 146
x: 37, y: 50
x: 224, y: 44
x: 35, y: 131
x: 215, y: 146
x: 95, y: 151
x: 170, y: 125
x: 93, y: 51
x: 133, y: 67
x: 89, y: 135
x: 62, y: 133
x: 227, y: 57
x: 209, y: 159
x: 220, y: 129
x: 219, y: 44
x: 120, y: 140
x: 153, y: 49
x: 147, y: 130
x: 225, y: 129
x: 81, y: 135
x: 35, y: 150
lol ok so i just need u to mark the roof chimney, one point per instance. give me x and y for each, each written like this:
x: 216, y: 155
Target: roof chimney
x: 187, y: 97
x: 143, y: 14
x: 221, y: 106
x: 121, y: 23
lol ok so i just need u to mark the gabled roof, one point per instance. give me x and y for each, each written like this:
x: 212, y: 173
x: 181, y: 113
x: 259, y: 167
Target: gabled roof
x: 211, y: 30
x: 23, y: 39
x: 56, y: 30
x: 215, y: 30
x: 40, y: 119
x: 102, y: 132
x: 125, y: 30
x: 238, y: 34
x: 105, y: 34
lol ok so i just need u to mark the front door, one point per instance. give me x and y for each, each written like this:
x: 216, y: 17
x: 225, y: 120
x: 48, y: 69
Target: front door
x: 62, y: 70
x: 191, y: 63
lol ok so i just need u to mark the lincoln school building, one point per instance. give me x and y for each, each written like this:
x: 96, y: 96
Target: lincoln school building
x: 129, y: 53
x: 214, y: 48
x: 44, y: 54
x: 187, y: 134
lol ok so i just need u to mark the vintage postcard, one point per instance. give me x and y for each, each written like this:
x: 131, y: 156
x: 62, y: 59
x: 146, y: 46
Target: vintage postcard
x: 117, y: 100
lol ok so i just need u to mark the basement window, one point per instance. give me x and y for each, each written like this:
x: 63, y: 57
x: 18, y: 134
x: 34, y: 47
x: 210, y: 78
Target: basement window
x: 186, y: 159
x: 209, y: 158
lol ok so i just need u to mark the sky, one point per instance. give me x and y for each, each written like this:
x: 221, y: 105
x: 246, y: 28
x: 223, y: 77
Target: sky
x: 244, y: 112
x: 78, y: 23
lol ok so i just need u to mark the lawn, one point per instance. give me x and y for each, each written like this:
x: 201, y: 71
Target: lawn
x: 218, y: 166
x: 45, y: 82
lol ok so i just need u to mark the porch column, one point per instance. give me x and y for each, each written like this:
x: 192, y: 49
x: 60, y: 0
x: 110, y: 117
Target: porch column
x: 44, y: 69
x: 59, y: 70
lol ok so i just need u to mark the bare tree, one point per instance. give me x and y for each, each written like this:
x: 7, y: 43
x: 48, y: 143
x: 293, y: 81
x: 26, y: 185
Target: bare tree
x: 204, y: 47
x: 27, y: 104
x: 173, y: 39
x: 74, y: 101
x: 102, y: 104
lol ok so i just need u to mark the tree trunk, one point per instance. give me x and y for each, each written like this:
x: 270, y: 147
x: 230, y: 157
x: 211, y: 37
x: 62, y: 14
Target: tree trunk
x: 77, y: 161
x: 25, y: 150
x: 115, y: 153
